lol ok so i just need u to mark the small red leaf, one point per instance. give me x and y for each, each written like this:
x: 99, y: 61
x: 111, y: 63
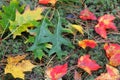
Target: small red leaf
x: 87, y: 43
x: 44, y: 1
x: 47, y: 1
x: 57, y: 72
x: 87, y: 64
x: 87, y: 15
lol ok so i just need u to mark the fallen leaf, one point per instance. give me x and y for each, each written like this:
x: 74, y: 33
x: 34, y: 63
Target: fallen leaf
x: 87, y: 64
x: 101, y: 31
x: 57, y: 72
x: 17, y: 66
x: 112, y: 74
x: 104, y: 23
x: 87, y: 43
x: 87, y: 15
x: 111, y: 49
x: 24, y: 21
x: 115, y: 60
x: 78, y: 28
x: 47, y: 1
x: 77, y: 76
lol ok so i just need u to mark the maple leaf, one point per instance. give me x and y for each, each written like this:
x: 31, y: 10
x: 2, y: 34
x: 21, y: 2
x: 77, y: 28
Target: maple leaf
x: 112, y: 74
x: 57, y: 72
x: 87, y: 15
x: 115, y: 60
x: 17, y: 66
x: 78, y: 28
x: 8, y: 13
x: 47, y: 1
x: 25, y: 20
x: 87, y: 64
x: 111, y: 49
x: 104, y: 23
x: 87, y: 43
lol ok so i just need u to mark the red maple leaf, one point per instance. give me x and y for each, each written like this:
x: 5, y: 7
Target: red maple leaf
x: 57, y: 72
x: 87, y: 15
x: 87, y: 64
x: 104, y: 23
x: 87, y: 43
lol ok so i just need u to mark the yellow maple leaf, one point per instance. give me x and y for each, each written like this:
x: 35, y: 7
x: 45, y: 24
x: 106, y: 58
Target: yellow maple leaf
x: 23, y: 21
x: 17, y: 66
x: 78, y: 28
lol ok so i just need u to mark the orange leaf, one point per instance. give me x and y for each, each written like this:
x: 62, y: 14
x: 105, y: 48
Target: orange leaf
x: 87, y: 43
x: 87, y: 15
x: 87, y: 64
x: 112, y: 74
x: 111, y: 49
x: 57, y: 72
x: 47, y: 1
x: 115, y: 60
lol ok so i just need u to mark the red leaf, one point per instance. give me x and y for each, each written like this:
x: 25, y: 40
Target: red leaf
x: 57, y: 72
x: 111, y: 49
x: 101, y: 31
x: 105, y: 22
x: 106, y: 18
x: 115, y: 60
x: 86, y: 42
x: 87, y: 15
x: 44, y: 1
x: 87, y: 64
x: 112, y: 74
x: 77, y: 76
x: 47, y: 1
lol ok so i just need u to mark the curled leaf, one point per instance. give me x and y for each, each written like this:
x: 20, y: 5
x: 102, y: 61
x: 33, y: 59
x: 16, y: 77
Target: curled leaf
x: 87, y: 64
x: 87, y: 15
x: 78, y: 28
x: 87, y: 43
x: 57, y: 72
x: 112, y: 74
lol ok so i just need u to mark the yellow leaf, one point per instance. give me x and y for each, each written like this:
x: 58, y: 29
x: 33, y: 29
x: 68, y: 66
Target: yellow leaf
x: 16, y: 59
x: 78, y: 28
x: 17, y: 66
x: 24, y: 21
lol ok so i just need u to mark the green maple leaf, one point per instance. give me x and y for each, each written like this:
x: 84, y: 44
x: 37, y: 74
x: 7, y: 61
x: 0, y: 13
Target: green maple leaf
x: 8, y: 13
x: 44, y: 35
x: 25, y: 20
